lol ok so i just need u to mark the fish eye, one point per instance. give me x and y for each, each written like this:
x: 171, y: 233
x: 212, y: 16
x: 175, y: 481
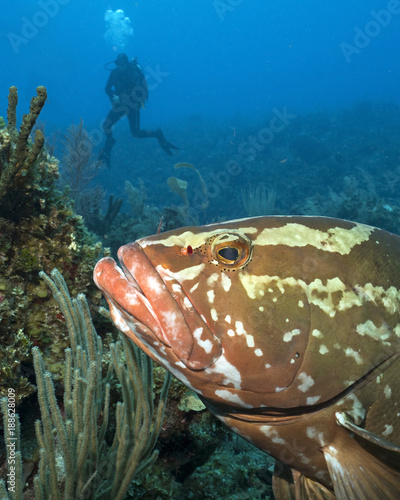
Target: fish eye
x: 231, y: 250
x: 229, y: 253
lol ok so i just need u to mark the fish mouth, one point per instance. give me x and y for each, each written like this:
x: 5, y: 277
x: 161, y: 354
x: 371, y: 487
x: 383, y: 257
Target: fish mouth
x: 150, y: 302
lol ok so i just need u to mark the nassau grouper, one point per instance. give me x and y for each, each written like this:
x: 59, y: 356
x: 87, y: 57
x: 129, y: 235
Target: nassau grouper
x: 288, y: 329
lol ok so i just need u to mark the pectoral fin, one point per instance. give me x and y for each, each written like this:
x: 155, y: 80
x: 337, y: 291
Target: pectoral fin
x: 289, y: 484
x: 362, y: 465
x: 375, y: 444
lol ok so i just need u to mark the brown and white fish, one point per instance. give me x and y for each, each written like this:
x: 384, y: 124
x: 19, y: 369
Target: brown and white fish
x: 288, y: 328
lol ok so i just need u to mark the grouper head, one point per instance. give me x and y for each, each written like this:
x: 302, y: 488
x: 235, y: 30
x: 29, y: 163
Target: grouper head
x: 269, y: 312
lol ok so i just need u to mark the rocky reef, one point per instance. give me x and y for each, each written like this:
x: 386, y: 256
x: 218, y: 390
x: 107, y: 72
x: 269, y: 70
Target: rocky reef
x: 38, y: 231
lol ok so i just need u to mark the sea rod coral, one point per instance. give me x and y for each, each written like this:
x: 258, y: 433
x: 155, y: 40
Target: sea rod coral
x: 80, y: 456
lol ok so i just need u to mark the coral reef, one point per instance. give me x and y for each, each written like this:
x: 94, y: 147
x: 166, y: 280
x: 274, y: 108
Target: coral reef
x: 16, y: 158
x: 258, y: 201
x: 343, y: 164
x: 79, y: 166
x: 38, y: 231
x: 86, y: 450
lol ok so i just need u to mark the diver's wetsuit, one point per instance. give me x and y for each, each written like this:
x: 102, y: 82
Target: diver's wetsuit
x: 127, y: 89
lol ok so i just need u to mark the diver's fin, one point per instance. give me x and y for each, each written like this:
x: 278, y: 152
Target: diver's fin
x: 357, y: 471
x: 168, y: 147
x: 165, y: 145
x: 289, y: 484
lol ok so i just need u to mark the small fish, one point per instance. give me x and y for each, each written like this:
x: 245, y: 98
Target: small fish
x: 288, y: 329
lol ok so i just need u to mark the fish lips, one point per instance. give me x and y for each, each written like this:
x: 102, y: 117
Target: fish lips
x: 154, y: 302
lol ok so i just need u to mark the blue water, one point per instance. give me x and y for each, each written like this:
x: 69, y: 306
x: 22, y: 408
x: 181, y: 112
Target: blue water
x: 215, y: 69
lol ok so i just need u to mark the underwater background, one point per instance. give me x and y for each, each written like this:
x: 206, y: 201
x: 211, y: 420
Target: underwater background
x: 218, y: 71
x: 276, y: 108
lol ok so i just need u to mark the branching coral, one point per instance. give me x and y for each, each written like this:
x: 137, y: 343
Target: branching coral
x: 91, y: 467
x: 15, y: 155
x: 259, y: 201
x: 80, y: 455
x: 78, y: 166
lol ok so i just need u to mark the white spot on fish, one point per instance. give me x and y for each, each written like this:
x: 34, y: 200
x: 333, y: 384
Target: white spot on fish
x: 377, y: 333
x: 258, y: 352
x: 390, y: 297
x: 312, y: 433
x: 232, y: 398
x: 335, y: 239
x: 205, y: 344
x: 272, y: 433
x: 228, y: 319
x: 214, y: 314
x: 241, y: 331
x: 388, y: 392
x: 388, y: 430
x: 261, y: 308
x: 323, y: 349
x: 212, y: 279
x: 267, y: 365
x: 210, y: 295
x: 187, y: 273
x: 230, y: 373
x: 306, y: 382
x: 351, y: 353
x: 194, y: 287
x: 289, y: 335
x: 313, y: 400
x: 231, y: 332
x: 240, y: 328
x: 301, y: 303
x: 280, y: 389
x: 317, y: 333
x: 226, y: 282
x: 250, y: 341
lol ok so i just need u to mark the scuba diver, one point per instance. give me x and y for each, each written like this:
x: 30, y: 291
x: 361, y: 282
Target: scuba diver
x: 127, y: 89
